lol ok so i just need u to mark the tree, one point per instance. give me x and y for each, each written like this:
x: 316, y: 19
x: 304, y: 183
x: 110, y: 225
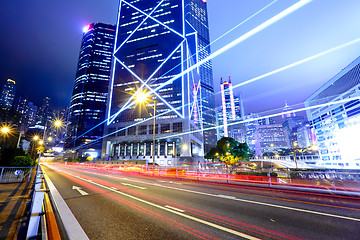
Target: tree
x: 229, y: 151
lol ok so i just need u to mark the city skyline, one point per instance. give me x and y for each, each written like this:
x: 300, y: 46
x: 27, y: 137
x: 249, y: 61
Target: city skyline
x: 307, y: 32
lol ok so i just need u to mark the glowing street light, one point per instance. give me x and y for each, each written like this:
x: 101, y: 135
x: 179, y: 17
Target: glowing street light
x: 58, y: 123
x: 5, y: 130
x: 141, y: 97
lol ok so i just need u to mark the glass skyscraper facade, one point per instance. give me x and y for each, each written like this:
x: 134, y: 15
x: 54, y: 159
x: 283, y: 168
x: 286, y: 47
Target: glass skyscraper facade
x: 196, y: 15
x: 8, y: 94
x: 88, y: 102
x: 157, y: 40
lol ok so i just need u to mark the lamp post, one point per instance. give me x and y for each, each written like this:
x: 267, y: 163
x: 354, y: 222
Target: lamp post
x: 154, y: 134
x: 141, y: 97
x: 295, y: 145
x: 8, y: 130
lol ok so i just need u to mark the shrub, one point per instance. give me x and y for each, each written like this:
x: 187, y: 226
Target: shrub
x: 22, y: 161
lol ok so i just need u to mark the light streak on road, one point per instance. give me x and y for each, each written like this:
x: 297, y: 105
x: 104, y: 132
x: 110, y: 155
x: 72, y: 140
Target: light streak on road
x: 230, y: 198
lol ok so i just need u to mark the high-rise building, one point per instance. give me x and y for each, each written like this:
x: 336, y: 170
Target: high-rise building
x: 270, y: 137
x: 21, y: 104
x: 231, y: 110
x: 335, y: 121
x: 8, y: 94
x: 196, y: 15
x: 227, y: 104
x: 43, y: 112
x: 31, y: 114
x: 156, y: 42
x: 252, y: 121
x: 88, y: 102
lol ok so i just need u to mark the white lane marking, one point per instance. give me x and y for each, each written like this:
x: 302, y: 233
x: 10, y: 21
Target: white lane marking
x: 227, y: 196
x: 114, y: 188
x: 243, y: 235
x: 174, y: 208
x: 82, y: 192
x: 249, y: 201
x: 130, y: 185
x: 168, y: 182
x: 253, y: 202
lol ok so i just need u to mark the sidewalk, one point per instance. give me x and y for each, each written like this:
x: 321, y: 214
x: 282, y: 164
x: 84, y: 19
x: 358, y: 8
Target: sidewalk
x: 14, y: 201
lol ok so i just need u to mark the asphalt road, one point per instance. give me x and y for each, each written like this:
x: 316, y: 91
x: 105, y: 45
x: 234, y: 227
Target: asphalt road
x: 131, y: 206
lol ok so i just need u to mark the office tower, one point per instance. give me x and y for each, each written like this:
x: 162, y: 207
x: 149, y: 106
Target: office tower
x: 270, y: 137
x: 231, y: 110
x: 334, y: 121
x: 8, y: 94
x: 156, y: 42
x: 43, y: 112
x: 196, y: 15
x: 253, y: 120
x: 21, y: 104
x: 227, y: 104
x: 88, y: 101
x: 31, y: 114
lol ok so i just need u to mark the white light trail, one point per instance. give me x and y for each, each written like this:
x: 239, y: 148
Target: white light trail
x: 298, y: 63
x: 242, y: 38
x: 268, y: 116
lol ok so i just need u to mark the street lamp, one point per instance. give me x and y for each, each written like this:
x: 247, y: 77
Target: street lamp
x: 295, y: 145
x: 5, y: 130
x: 58, y: 123
x: 8, y: 130
x: 141, y: 97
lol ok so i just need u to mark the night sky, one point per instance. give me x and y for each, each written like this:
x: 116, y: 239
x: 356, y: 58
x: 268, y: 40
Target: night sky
x: 40, y: 42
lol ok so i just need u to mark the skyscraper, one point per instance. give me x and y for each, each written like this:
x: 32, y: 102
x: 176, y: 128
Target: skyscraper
x: 227, y: 104
x: 43, y: 112
x: 8, y: 94
x: 231, y: 109
x: 88, y: 101
x: 156, y: 42
x: 196, y: 15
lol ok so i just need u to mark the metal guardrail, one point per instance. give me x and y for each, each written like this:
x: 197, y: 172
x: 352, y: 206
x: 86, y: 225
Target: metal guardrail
x: 41, y: 213
x: 15, y: 174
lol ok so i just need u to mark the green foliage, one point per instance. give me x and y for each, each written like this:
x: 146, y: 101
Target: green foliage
x: 22, y: 161
x: 8, y: 154
x: 229, y: 151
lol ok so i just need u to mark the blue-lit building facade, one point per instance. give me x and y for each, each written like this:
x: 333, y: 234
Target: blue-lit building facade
x: 157, y: 40
x: 88, y: 102
x: 334, y: 117
x: 8, y: 94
